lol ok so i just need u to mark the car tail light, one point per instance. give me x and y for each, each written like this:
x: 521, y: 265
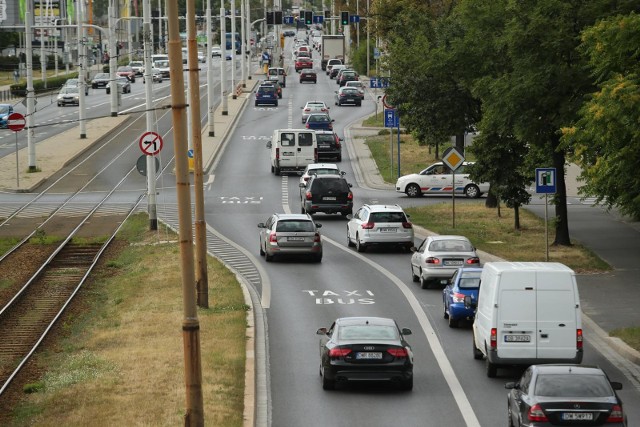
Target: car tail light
x: 338, y: 145
x: 407, y: 225
x: 457, y: 297
x: 536, y: 414
x: 323, y: 109
x: 273, y: 238
x: 306, y: 110
x: 368, y: 225
x: 350, y: 196
x: 398, y: 352
x: 277, y: 154
x: 339, y: 352
x: 330, y: 126
x: 316, y: 238
x: 474, y: 260
x: 306, y: 125
x: 432, y: 260
x: 494, y: 338
x: 579, y: 339
x: 308, y: 195
x: 342, y: 95
x: 616, y: 416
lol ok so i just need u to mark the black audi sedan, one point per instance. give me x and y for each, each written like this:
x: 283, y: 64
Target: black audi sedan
x: 365, y: 349
x: 564, y: 395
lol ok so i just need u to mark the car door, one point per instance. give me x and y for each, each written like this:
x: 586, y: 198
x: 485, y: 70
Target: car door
x: 288, y: 155
x: 416, y: 257
x: 306, y: 149
x: 517, y: 323
x: 354, y: 224
x: 438, y: 179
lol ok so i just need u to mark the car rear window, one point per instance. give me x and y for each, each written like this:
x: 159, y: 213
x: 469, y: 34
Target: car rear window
x: 388, y: 217
x: 368, y: 332
x: 325, y: 138
x: 468, y: 281
x: 294, y: 226
x: 572, y: 385
x: 323, y: 171
x: 305, y: 139
x: 450, y: 246
x: 267, y: 89
x: 330, y: 184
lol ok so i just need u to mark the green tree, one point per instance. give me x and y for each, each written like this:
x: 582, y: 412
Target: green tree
x: 606, y: 138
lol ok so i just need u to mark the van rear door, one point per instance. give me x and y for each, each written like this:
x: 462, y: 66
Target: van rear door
x: 516, y: 323
x: 307, y: 149
x: 557, y: 315
x: 288, y: 150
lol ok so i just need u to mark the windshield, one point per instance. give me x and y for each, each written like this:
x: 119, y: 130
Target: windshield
x: 4, y: 109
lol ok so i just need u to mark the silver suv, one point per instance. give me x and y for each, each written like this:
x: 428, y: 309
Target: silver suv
x: 290, y: 234
x: 379, y: 225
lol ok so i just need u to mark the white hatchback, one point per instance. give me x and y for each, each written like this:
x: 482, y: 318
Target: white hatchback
x: 379, y: 225
x: 320, y: 169
x: 438, y: 179
x: 313, y: 107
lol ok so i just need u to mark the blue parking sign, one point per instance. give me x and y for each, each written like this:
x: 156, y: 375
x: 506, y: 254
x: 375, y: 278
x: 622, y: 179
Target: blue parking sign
x: 545, y: 180
x: 391, y: 118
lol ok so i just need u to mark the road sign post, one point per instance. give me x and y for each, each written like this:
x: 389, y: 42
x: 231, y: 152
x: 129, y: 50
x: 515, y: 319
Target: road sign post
x: 546, y: 184
x: 16, y: 123
x: 453, y: 159
x: 150, y: 143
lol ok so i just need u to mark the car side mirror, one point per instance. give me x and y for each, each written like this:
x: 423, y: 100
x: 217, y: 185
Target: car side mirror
x: 340, y: 139
x: 333, y: 120
x: 469, y: 303
x: 511, y: 385
x: 350, y: 185
x: 343, y: 173
x: 321, y: 331
x: 349, y: 216
x: 335, y: 91
x: 261, y: 225
x: 616, y: 385
x: 318, y: 225
x: 413, y: 249
x: 406, y: 331
x: 302, y: 185
x: 268, y: 144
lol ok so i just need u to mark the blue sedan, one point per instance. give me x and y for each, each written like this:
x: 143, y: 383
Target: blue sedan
x: 319, y: 121
x: 465, y: 281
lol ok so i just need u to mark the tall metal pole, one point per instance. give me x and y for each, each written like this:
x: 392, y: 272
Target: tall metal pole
x: 223, y: 62
x: 160, y: 32
x: 147, y: 41
x: 43, y: 56
x: 368, y: 48
x: 211, y: 108
x: 243, y: 46
x: 233, y: 47
x: 202, y: 278
x: 82, y: 55
x: 31, y: 144
x: 113, y: 61
x: 248, y: 34
x: 358, y: 24
x: 194, y: 414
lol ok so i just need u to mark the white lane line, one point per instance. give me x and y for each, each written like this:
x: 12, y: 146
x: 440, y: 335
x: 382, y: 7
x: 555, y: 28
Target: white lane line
x: 443, y: 362
x: 290, y: 112
x: 285, y: 194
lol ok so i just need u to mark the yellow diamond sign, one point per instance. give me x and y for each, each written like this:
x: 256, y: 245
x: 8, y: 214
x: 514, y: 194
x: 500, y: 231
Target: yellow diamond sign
x: 452, y: 158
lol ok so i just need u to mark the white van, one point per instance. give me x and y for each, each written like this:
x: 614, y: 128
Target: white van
x: 278, y: 74
x: 527, y: 313
x: 292, y: 149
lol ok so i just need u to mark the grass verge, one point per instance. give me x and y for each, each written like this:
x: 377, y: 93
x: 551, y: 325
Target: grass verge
x: 375, y: 120
x: 413, y: 157
x: 120, y: 356
x: 629, y: 335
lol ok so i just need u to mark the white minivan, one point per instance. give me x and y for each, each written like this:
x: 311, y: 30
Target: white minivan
x: 292, y: 150
x: 527, y: 313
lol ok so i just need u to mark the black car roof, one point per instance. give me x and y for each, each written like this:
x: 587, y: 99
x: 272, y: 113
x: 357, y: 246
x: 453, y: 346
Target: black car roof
x: 365, y: 320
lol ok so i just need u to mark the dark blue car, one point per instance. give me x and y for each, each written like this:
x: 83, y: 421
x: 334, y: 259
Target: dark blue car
x: 465, y: 281
x: 266, y: 95
x: 319, y: 121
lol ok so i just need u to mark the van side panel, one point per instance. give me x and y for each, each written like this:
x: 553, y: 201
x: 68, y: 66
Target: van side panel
x: 307, y: 148
x: 558, y: 311
x: 516, y: 315
x: 485, y: 312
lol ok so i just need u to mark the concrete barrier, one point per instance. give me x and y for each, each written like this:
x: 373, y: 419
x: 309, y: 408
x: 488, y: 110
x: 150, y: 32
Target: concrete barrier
x: 237, y: 91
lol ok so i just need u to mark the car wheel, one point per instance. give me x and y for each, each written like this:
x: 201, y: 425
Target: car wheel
x: 359, y: 104
x: 413, y: 190
x: 509, y: 415
x: 359, y: 246
x: 276, y: 103
x: 261, y: 251
x: 339, y: 158
x: 327, y: 384
x: 349, y: 242
x: 256, y: 104
x: 345, y: 213
x: 272, y: 169
x: 59, y: 105
x: 472, y: 191
x: 318, y: 258
x: 445, y: 314
x: 108, y: 91
x: 268, y: 257
x: 477, y: 354
x: 407, y: 384
x: 414, y: 278
x: 491, y: 369
x: 277, y: 170
x: 453, y: 323
x: 424, y: 283
x: 303, y: 210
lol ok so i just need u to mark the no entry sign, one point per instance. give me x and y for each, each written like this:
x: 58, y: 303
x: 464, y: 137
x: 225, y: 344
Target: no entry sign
x: 16, y: 122
x: 150, y: 143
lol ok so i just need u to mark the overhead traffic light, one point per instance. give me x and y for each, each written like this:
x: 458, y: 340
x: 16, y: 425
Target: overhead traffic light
x: 278, y: 17
x: 327, y: 14
x: 308, y: 17
x: 270, y: 18
x: 344, y: 18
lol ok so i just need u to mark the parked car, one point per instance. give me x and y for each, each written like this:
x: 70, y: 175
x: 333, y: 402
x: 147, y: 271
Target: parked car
x: 127, y: 72
x: 5, y: 111
x: 319, y: 121
x: 348, y: 95
x: 319, y: 169
x: 438, y: 179
x: 302, y: 62
x: 290, y: 234
x: 328, y: 194
x: 123, y: 83
x: 356, y: 349
x: 439, y: 256
x: 313, y: 107
x: 379, y: 225
x: 358, y: 85
x: 329, y: 145
x: 137, y: 67
x: 465, y: 282
x: 308, y: 75
x: 266, y: 95
x: 76, y: 83
x: 100, y: 80
x: 564, y: 395
x: 68, y: 95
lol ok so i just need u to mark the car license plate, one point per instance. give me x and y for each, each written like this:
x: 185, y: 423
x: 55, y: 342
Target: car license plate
x: 517, y: 338
x: 369, y: 355
x: 453, y: 263
x: 388, y: 230
x: 295, y: 239
x: 328, y: 198
x: 581, y: 416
